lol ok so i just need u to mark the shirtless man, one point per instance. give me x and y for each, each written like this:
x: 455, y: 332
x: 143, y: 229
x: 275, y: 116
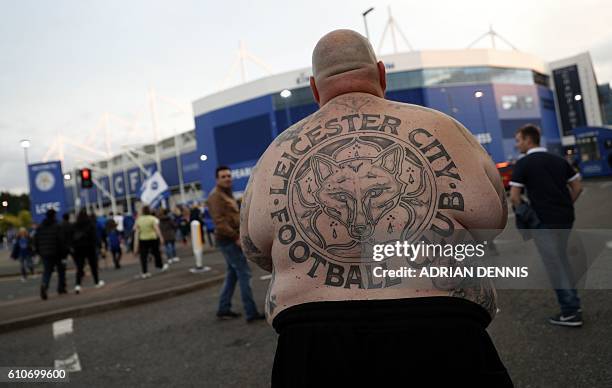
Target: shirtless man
x: 364, y: 170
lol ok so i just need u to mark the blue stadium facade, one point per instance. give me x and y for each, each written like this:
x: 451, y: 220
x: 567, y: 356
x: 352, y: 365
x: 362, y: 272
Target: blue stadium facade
x: 491, y: 92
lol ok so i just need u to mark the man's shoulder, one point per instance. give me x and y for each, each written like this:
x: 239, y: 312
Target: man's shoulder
x: 213, y: 195
x: 214, y: 199
x: 541, y: 157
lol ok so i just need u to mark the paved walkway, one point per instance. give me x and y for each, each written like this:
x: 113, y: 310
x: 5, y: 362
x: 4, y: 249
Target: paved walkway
x: 21, y: 305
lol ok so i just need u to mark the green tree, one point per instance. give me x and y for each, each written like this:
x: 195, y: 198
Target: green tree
x: 25, y: 218
x: 8, y: 221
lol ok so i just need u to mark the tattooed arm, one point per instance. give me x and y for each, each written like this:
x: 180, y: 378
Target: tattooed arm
x: 252, y: 246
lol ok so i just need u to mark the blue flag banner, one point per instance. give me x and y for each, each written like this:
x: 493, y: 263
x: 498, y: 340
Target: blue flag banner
x: 46, y: 189
x: 154, y: 190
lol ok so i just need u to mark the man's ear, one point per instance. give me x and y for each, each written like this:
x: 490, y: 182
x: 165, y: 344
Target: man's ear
x: 382, y: 76
x: 315, y: 92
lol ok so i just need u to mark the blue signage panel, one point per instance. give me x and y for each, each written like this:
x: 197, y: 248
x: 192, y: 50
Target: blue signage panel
x: 119, y: 184
x: 46, y: 189
x: 105, y: 184
x: 133, y: 177
x: 191, y: 167
x: 170, y: 172
x: 241, y: 172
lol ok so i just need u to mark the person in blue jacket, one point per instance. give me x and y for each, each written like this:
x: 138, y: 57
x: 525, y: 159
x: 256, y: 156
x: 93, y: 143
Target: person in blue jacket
x: 22, y: 251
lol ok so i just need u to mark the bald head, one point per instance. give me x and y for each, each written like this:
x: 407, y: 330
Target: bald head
x: 344, y: 57
x: 341, y: 51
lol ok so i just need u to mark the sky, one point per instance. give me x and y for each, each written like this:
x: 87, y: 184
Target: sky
x: 66, y: 64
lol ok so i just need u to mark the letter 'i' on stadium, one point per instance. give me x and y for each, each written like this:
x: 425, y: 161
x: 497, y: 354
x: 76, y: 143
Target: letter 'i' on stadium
x: 409, y: 194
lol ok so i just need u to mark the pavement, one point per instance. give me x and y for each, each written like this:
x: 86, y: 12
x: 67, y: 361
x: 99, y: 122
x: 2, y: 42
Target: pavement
x: 179, y: 342
x: 21, y: 306
x: 172, y: 341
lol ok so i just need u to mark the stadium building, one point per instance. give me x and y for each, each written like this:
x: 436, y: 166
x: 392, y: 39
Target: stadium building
x: 492, y: 92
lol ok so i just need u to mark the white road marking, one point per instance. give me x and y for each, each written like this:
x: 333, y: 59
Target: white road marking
x: 605, y: 185
x: 66, y: 355
x: 62, y: 327
x: 266, y: 277
x: 70, y: 364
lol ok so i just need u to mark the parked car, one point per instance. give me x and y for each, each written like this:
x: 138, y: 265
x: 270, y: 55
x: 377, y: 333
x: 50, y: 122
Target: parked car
x: 505, y: 170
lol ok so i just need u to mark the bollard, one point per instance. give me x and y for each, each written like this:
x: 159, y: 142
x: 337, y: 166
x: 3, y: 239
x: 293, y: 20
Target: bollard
x: 197, y: 244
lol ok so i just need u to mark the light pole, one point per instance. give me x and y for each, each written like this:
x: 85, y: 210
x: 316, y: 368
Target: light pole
x: 578, y: 99
x: 478, y: 95
x: 68, y: 177
x: 25, y: 144
x: 285, y: 94
x: 451, y: 105
x: 365, y: 21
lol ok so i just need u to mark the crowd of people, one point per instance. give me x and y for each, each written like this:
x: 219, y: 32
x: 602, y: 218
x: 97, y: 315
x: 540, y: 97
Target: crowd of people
x: 90, y: 238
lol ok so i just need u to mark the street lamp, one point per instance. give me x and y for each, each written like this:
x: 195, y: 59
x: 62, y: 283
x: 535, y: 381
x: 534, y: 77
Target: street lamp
x: 478, y: 95
x: 365, y: 21
x: 451, y: 105
x: 4, y: 203
x: 285, y: 94
x: 25, y: 144
x: 578, y: 99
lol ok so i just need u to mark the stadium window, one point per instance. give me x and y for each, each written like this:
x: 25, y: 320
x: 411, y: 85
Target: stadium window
x: 541, y: 79
x: 167, y: 143
x: 470, y: 75
x: 509, y: 102
x: 513, y: 102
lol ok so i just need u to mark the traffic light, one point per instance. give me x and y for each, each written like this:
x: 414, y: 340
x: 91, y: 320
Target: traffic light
x: 86, y: 182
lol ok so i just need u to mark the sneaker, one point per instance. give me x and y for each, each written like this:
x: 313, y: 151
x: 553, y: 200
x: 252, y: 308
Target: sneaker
x: 100, y: 284
x: 228, y: 315
x: 199, y: 269
x: 573, y: 320
x: 62, y: 291
x: 145, y: 275
x: 77, y: 289
x: 164, y: 268
x: 176, y: 259
x: 256, y: 317
x: 43, y: 292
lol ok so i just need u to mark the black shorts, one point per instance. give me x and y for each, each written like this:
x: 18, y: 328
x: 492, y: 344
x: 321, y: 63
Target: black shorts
x: 417, y: 342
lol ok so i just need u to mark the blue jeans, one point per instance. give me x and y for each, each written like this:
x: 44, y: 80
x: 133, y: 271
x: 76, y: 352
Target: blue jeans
x: 551, y: 241
x: 237, y: 270
x: 170, y: 247
x: 27, y: 266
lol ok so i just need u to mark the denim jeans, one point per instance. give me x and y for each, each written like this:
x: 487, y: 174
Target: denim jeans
x: 49, y: 264
x: 170, y: 247
x: 551, y: 241
x: 27, y: 266
x: 237, y: 270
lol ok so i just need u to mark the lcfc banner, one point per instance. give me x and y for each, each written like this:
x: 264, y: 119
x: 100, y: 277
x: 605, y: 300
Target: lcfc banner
x: 46, y: 189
